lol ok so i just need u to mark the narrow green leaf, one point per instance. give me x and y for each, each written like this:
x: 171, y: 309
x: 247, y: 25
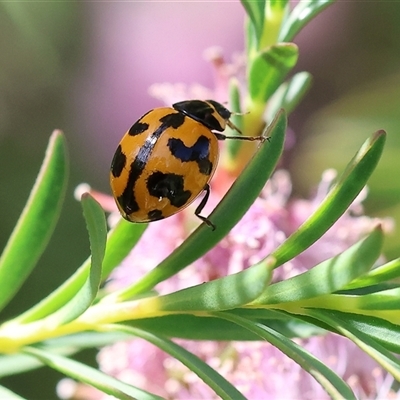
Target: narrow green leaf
x: 210, y: 377
x: 12, y: 364
x: 380, y: 330
x: 220, y: 294
x: 90, y: 376
x: 97, y: 228
x: 382, y: 300
x: 37, y: 221
x: 190, y: 326
x: 235, y: 106
x: 336, y: 202
x: 329, y: 276
x: 304, y: 11
x: 332, y: 383
x: 289, y: 94
x: 383, y: 273
x: 382, y: 356
x: 383, y: 304
x: 269, y: 68
x: 225, y: 216
x: 121, y: 241
x: 256, y: 12
x: 7, y: 394
x: 233, y: 146
x: 84, y: 340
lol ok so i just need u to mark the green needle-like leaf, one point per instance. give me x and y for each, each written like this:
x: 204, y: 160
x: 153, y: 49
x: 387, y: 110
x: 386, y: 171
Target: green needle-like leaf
x: 231, y: 209
x: 329, y: 276
x: 211, y: 377
x: 255, y: 11
x: 304, y: 11
x: 97, y: 228
x: 387, y: 360
x: 289, y: 94
x: 191, y: 326
x: 17, y: 363
x: 90, y: 376
x: 37, y: 221
x: 383, y: 304
x: 334, y: 385
x: 269, y: 68
x: 7, y: 394
x: 379, y: 330
x: 233, y: 146
x: 336, y: 202
x: 381, y: 300
x: 220, y: 294
x: 120, y: 242
x: 383, y: 273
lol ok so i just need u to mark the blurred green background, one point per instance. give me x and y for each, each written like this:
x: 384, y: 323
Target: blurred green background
x: 85, y: 68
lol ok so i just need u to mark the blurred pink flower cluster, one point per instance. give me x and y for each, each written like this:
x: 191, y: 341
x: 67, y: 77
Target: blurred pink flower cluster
x: 257, y: 369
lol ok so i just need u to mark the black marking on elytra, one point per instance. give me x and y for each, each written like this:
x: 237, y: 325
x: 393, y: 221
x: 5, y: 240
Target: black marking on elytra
x: 170, y: 186
x: 118, y: 162
x: 137, y: 128
x: 127, y: 200
x: 174, y: 120
x: 128, y: 203
x: 199, y: 152
x: 202, y: 112
x: 155, y: 215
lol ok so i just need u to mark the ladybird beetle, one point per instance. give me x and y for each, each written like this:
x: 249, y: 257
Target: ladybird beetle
x: 167, y: 158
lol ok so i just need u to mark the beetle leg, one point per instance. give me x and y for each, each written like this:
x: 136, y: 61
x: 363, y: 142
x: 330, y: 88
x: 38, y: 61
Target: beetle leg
x: 200, y: 207
x: 260, y: 138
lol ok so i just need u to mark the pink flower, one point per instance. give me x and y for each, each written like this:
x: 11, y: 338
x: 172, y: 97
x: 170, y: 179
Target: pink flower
x: 257, y: 369
x: 260, y: 371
